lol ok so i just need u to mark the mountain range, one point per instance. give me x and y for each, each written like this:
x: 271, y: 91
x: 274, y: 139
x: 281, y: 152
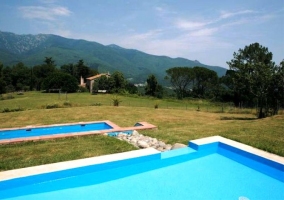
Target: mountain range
x: 134, y: 64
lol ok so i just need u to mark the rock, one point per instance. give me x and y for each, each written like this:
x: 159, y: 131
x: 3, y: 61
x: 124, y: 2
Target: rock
x: 178, y: 146
x: 135, y: 133
x: 168, y: 147
x: 160, y: 149
x: 142, y: 144
x: 133, y: 141
x: 162, y: 144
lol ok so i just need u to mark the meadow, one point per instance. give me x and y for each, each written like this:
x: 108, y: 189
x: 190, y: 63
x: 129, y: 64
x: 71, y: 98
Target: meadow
x: 177, y: 122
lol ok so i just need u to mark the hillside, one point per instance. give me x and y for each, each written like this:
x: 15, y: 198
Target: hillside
x: 134, y: 64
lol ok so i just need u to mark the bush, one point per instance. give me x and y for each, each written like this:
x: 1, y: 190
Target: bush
x: 51, y: 106
x: 83, y: 89
x: 5, y: 110
x: 116, y: 101
x: 10, y: 96
x: 96, y: 104
x: 67, y: 103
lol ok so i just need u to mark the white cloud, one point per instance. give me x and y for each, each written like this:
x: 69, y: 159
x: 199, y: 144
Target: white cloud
x: 225, y: 15
x: 189, y: 25
x: 44, y: 13
x: 204, y: 32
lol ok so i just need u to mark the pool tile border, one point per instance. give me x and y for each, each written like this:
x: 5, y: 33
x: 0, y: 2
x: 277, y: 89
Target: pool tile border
x: 116, y: 128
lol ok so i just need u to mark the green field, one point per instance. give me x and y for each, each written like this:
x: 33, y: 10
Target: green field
x: 177, y: 121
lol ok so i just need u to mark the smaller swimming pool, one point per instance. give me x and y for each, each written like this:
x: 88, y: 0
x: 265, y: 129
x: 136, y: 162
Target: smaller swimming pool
x: 53, y: 130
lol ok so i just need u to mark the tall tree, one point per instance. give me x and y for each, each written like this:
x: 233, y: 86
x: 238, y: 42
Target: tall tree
x: 21, y: 76
x: 117, y: 82
x: 59, y: 80
x: 254, y: 68
x: 180, y: 78
x: 49, y: 61
x: 153, y: 88
x: 205, y: 81
x: 2, y: 82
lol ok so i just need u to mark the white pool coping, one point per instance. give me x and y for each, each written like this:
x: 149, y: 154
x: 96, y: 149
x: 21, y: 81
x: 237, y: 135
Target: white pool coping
x: 241, y: 146
x: 28, y: 171
x: 17, y: 173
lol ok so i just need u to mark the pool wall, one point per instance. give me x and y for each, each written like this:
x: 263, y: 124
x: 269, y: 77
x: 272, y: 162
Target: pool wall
x: 263, y: 162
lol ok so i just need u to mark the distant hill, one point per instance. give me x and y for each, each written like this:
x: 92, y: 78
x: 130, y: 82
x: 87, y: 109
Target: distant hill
x: 134, y: 64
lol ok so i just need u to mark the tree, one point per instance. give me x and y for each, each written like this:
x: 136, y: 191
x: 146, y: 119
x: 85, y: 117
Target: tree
x: 49, y: 62
x: 117, y: 82
x: 131, y: 88
x: 180, y: 78
x: 276, y: 89
x: 103, y: 83
x: 2, y: 82
x: 153, y: 88
x: 253, y: 68
x: 40, y: 72
x: 58, y: 80
x: 204, y: 82
x: 20, y: 76
x: 69, y: 69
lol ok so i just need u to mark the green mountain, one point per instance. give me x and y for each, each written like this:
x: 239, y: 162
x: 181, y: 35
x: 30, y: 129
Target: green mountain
x: 134, y: 64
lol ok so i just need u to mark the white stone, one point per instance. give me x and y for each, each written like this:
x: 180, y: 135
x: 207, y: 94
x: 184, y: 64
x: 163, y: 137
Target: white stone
x: 142, y: 144
x: 178, y: 146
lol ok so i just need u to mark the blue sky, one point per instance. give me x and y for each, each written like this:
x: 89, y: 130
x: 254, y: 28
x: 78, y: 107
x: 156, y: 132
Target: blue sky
x: 207, y: 31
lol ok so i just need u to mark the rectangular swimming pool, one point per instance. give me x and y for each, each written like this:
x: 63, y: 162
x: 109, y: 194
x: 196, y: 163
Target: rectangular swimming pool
x: 214, y: 170
x: 53, y: 130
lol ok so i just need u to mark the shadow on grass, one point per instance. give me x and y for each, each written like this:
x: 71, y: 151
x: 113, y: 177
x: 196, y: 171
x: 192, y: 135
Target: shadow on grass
x: 238, y: 118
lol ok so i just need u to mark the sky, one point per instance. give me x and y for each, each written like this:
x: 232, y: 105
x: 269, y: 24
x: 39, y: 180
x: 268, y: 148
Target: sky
x: 207, y: 31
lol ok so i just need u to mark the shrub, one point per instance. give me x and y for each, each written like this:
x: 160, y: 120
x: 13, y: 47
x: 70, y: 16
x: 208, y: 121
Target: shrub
x: 67, y: 103
x: 10, y: 96
x: 51, y: 106
x: 5, y: 110
x: 83, y: 89
x: 96, y: 104
x: 116, y: 101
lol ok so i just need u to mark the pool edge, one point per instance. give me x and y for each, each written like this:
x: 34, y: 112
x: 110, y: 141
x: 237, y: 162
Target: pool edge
x: 238, y: 145
x: 53, y: 167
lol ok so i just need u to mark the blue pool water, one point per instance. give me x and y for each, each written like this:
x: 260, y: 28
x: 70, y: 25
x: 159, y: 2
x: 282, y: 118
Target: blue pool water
x: 215, y: 171
x: 53, y: 130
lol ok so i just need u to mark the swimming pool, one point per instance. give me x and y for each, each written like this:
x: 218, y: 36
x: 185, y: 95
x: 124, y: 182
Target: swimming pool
x: 208, y: 169
x: 53, y: 130
x: 33, y: 133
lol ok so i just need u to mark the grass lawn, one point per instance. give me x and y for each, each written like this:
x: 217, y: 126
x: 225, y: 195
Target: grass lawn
x: 177, y: 121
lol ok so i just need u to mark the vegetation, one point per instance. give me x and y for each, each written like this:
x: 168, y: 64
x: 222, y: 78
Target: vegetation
x: 60, y: 81
x: 256, y: 76
x: 153, y: 88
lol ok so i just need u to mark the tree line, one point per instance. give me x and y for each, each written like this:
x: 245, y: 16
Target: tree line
x: 42, y: 77
x: 253, y: 80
